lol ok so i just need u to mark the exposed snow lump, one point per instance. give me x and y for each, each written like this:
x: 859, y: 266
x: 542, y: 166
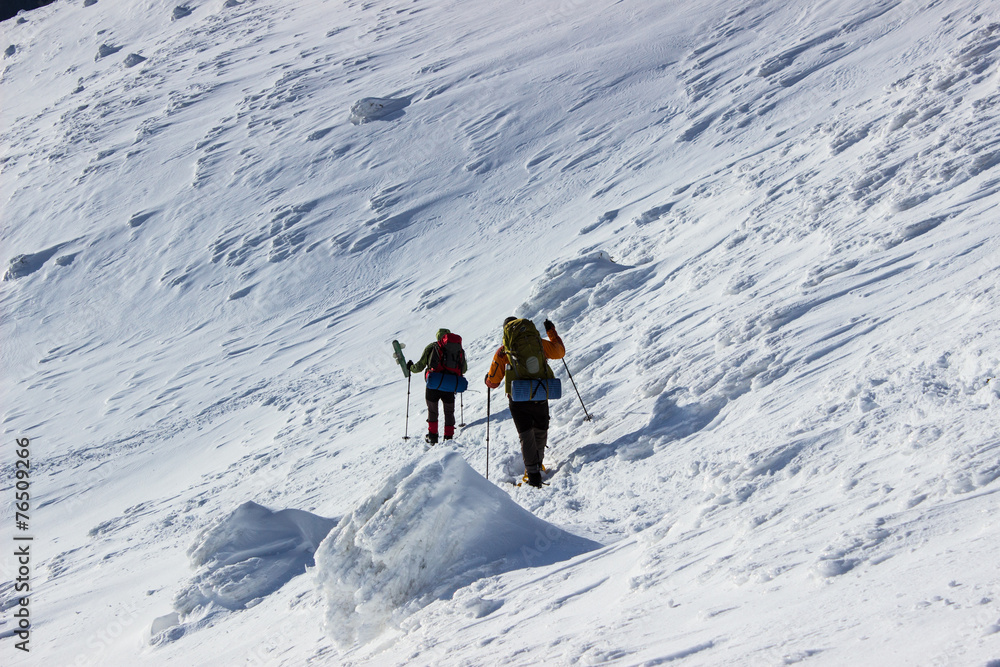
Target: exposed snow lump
x: 434, y: 527
x: 244, y: 557
x: 377, y: 108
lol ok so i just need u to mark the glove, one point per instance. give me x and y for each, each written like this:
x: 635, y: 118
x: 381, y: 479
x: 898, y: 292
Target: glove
x: 409, y: 366
x: 549, y: 325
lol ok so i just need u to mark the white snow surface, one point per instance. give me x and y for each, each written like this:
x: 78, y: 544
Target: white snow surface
x: 766, y: 232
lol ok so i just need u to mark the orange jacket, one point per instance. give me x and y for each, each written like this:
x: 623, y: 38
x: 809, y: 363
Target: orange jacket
x: 553, y: 349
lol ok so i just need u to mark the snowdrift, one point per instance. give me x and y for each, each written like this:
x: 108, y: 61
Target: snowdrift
x: 246, y: 556
x: 435, y: 526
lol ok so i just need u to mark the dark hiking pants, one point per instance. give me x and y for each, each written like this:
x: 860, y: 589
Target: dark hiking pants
x: 448, y: 400
x: 531, y: 420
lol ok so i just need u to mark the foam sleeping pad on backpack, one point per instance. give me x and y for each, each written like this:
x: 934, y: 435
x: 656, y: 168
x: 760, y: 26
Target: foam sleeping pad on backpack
x: 447, y: 382
x: 538, y: 389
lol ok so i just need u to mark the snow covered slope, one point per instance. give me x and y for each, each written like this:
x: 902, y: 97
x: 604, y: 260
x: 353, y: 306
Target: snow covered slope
x: 765, y: 231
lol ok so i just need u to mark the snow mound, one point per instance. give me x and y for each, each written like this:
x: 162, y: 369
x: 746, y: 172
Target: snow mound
x: 250, y: 554
x: 436, y: 526
x: 26, y: 264
x: 368, y: 109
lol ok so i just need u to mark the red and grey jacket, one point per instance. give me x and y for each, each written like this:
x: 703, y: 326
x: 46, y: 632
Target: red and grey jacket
x: 442, y: 356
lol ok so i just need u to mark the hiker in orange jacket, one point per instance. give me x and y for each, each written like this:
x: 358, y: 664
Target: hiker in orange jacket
x: 531, y: 418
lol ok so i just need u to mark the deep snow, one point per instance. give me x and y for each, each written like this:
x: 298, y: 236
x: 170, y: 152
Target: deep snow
x: 765, y: 232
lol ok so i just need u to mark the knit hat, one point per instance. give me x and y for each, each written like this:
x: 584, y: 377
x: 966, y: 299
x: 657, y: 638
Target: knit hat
x: 441, y: 333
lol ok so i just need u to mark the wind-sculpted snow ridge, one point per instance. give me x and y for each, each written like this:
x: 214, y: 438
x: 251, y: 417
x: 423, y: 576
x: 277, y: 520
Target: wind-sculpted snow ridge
x: 436, y: 526
x: 572, y: 287
x: 244, y: 557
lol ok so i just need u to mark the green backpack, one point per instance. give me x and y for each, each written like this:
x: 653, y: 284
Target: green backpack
x: 525, y: 356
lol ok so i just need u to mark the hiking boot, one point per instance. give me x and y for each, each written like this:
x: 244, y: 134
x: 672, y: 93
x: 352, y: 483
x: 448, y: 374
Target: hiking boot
x: 448, y: 437
x: 432, y: 438
x: 535, y: 479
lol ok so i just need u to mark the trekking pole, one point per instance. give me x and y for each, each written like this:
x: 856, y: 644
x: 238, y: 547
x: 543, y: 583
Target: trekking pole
x: 461, y: 404
x: 487, y: 434
x: 406, y: 427
x: 588, y: 417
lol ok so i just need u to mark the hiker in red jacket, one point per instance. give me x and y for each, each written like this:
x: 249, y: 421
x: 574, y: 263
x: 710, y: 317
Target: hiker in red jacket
x: 442, y: 356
